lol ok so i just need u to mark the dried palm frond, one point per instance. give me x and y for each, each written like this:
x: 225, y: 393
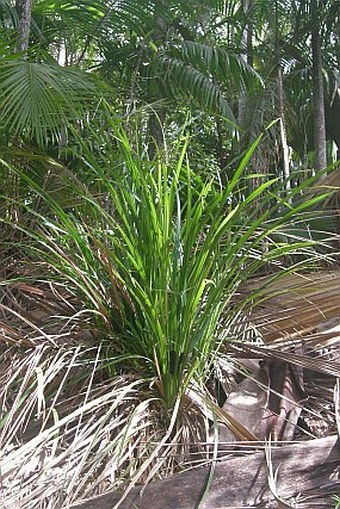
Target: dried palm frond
x: 298, y: 322
x: 299, y: 305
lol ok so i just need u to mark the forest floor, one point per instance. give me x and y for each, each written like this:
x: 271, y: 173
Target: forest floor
x: 291, y: 392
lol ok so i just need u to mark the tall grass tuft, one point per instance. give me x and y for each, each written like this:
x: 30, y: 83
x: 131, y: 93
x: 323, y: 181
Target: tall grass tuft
x: 157, y: 255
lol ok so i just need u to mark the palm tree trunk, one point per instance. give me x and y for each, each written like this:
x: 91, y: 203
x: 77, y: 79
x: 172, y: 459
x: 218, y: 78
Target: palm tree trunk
x: 157, y: 115
x: 280, y: 99
x: 318, y: 91
x: 247, y: 34
x: 283, y: 130
x: 247, y: 42
x: 155, y: 131
x: 24, y: 9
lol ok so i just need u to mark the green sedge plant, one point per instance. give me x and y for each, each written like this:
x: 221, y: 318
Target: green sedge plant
x: 157, y: 255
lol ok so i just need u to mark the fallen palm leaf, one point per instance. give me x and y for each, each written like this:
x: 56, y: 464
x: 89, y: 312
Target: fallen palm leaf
x: 269, y: 401
x: 305, y: 361
x: 297, y: 305
x: 237, y: 427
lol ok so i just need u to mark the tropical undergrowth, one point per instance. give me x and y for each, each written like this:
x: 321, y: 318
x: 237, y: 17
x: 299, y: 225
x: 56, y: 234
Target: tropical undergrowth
x: 145, y: 260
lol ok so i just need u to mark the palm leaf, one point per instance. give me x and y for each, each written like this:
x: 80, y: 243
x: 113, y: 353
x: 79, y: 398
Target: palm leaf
x: 187, y: 81
x: 224, y: 64
x: 94, y: 18
x: 37, y: 100
x: 202, y: 72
